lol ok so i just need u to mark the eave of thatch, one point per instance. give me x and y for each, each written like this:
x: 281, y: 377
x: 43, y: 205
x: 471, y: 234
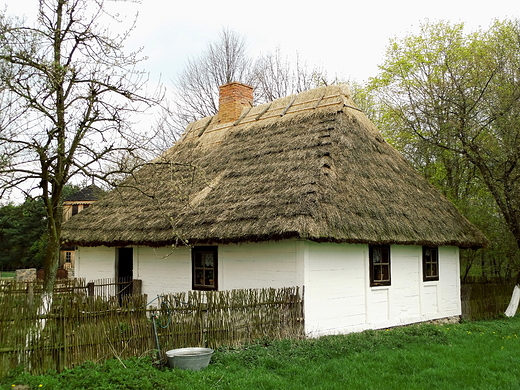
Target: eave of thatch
x: 310, y: 166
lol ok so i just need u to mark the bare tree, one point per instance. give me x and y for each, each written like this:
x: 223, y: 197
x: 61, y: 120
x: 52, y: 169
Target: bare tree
x: 223, y: 61
x: 276, y: 77
x: 68, y: 94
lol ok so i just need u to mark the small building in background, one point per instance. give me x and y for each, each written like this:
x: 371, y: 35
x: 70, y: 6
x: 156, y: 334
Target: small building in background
x: 73, y: 205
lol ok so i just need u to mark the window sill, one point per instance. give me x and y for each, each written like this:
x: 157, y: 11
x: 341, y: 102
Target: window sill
x: 381, y: 287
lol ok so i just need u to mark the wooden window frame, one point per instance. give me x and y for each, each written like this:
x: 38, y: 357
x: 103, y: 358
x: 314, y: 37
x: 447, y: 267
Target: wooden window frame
x: 430, y: 263
x: 377, y: 270
x: 198, y: 268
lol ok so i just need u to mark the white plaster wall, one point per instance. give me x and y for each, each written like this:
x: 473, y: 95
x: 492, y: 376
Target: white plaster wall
x: 335, y: 285
x: 94, y: 263
x: 338, y: 296
x: 251, y: 265
x: 163, y: 270
x: 258, y: 265
x: 339, y: 299
x: 449, y: 282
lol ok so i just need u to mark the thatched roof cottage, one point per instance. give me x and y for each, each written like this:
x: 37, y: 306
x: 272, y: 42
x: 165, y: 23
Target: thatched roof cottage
x: 300, y: 191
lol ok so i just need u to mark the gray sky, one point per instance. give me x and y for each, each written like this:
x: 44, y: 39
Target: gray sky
x: 345, y: 38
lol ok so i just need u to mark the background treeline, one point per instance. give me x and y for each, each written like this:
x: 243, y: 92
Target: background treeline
x: 23, y: 237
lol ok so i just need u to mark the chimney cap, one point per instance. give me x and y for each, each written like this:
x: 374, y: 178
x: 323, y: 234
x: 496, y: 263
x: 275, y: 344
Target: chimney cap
x: 236, y: 84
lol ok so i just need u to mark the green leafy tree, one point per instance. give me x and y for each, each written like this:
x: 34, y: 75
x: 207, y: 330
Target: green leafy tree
x: 22, y: 235
x: 452, y: 101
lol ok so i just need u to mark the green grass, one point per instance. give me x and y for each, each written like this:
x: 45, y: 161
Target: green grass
x: 473, y: 355
x: 7, y: 274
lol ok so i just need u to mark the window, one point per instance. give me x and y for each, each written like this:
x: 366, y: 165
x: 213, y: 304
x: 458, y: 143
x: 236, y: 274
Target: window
x: 430, y: 263
x: 204, y: 262
x: 379, y: 256
x: 68, y: 257
x: 75, y: 209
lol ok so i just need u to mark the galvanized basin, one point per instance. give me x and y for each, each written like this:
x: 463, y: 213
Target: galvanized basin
x: 194, y: 358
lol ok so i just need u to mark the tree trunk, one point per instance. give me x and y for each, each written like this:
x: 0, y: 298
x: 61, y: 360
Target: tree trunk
x: 513, y: 304
x: 52, y: 256
x: 50, y: 268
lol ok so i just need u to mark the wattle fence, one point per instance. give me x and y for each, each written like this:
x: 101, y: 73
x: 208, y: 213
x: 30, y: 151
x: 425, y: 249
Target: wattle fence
x: 81, y: 328
x: 485, y: 300
x: 100, y: 320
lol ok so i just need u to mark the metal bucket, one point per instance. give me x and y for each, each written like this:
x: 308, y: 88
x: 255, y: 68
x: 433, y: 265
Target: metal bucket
x: 189, y: 358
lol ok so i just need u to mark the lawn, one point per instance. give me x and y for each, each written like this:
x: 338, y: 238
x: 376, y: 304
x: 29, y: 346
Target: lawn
x: 7, y: 274
x: 472, y: 355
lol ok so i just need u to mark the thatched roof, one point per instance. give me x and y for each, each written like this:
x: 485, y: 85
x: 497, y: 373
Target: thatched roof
x: 307, y: 166
x: 90, y: 193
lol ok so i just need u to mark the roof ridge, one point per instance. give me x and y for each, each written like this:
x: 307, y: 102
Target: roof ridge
x: 295, y: 104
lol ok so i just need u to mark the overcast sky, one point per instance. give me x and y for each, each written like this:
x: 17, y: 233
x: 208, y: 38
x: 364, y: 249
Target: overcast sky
x: 345, y: 38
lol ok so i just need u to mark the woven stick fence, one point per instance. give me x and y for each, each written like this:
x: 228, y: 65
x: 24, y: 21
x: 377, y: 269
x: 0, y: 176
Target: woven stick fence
x: 481, y: 301
x: 81, y: 328
x: 232, y: 318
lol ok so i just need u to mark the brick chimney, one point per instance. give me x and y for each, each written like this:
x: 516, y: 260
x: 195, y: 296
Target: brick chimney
x: 233, y: 98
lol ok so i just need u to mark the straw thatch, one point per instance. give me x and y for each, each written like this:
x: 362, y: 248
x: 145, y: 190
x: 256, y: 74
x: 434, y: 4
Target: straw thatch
x: 89, y: 193
x: 309, y: 166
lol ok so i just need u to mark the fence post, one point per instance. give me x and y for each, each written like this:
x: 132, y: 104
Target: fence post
x: 137, y: 286
x: 90, y: 289
x: 61, y: 349
x: 203, y: 310
x: 30, y: 293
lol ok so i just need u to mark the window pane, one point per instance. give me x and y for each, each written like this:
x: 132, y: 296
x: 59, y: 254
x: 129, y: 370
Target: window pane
x: 384, y: 276
x: 434, y: 272
x: 379, y: 257
x: 198, y: 260
x: 428, y: 269
x: 377, y: 272
x: 209, y: 278
x: 385, y: 255
x: 204, y: 266
x: 208, y: 260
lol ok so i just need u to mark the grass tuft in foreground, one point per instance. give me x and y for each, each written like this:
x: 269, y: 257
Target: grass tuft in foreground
x: 476, y: 355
